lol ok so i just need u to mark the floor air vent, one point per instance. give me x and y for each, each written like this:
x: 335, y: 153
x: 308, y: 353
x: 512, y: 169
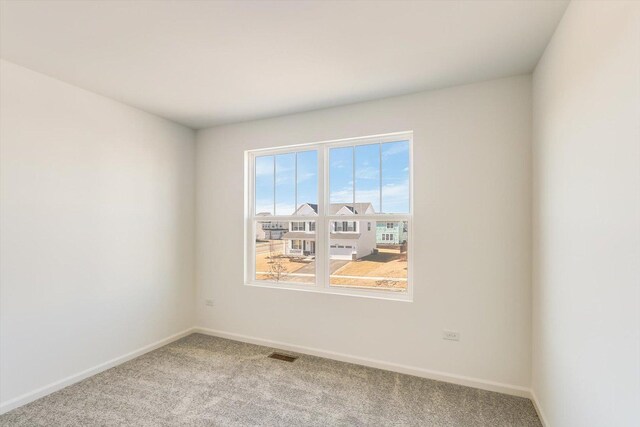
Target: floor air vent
x: 283, y: 357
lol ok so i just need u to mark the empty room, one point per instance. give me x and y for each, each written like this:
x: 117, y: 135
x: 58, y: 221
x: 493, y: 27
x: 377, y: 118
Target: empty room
x: 320, y: 213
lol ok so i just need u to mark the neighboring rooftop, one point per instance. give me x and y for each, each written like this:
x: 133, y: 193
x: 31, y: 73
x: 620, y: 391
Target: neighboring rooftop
x: 335, y: 208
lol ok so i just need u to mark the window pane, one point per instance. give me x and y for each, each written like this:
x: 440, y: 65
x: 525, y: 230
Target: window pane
x: 307, y: 180
x: 341, y: 175
x: 367, y: 170
x: 285, y: 184
x: 264, y: 185
x: 369, y: 258
x: 284, y: 255
x: 395, y: 177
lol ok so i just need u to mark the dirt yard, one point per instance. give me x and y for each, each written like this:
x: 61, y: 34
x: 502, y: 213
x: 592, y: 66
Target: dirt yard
x: 271, y: 262
x: 264, y: 263
x: 387, y: 266
x: 386, y: 263
x: 384, y: 268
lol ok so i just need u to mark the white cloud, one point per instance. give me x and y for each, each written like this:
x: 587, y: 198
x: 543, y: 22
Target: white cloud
x: 369, y: 172
x: 395, y: 196
x: 339, y: 164
x: 264, y: 205
x: 344, y: 195
x: 283, y: 179
x: 264, y: 168
x: 285, y: 209
x: 306, y: 176
x: 390, y: 149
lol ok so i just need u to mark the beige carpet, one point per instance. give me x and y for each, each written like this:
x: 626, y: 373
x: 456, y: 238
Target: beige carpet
x: 205, y: 381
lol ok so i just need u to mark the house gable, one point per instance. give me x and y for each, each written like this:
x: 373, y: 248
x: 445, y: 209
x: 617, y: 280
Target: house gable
x: 307, y: 209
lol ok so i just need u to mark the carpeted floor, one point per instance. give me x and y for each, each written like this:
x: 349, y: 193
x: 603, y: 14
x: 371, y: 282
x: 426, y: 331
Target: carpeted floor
x: 206, y: 381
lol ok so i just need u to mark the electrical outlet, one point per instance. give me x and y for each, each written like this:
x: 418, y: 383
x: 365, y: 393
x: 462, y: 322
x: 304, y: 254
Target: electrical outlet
x: 208, y: 302
x: 450, y: 335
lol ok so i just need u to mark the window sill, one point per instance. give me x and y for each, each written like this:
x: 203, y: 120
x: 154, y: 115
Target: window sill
x: 402, y: 296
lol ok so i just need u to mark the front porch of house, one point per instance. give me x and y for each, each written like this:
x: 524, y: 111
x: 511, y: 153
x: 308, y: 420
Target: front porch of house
x: 300, y: 247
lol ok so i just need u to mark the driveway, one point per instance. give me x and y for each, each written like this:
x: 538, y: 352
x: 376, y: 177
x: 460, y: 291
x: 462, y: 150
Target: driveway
x: 334, y: 266
x: 337, y: 264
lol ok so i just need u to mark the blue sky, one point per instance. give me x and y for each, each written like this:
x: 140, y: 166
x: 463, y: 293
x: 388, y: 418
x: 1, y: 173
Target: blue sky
x: 391, y: 160
x: 285, y: 181
x: 394, y: 157
x: 395, y: 177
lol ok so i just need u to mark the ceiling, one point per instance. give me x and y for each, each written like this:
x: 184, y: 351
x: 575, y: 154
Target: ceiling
x: 205, y: 63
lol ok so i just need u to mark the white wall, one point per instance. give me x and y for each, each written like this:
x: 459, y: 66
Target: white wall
x: 472, y: 230
x: 586, y: 345
x: 97, y: 218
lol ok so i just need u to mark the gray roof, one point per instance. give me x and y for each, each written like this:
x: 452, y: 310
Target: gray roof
x: 301, y: 235
x: 345, y: 236
x: 291, y: 235
x: 358, y: 208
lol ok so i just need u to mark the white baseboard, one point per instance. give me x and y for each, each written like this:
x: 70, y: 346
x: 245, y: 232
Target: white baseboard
x: 395, y: 367
x: 58, y: 385
x: 536, y: 404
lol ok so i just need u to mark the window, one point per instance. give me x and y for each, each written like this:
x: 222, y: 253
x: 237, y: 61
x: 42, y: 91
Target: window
x: 298, y: 226
x: 331, y: 202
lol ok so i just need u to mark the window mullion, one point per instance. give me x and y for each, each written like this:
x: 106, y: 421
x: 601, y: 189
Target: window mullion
x: 249, y: 262
x: 323, y: 232
x: 380, y: 173
x: 274, y: 185
x: 353, y: 172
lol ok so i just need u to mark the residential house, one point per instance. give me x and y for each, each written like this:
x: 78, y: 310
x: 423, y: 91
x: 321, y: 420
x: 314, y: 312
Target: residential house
x: 391, y: 232
x: 349, y: 239
x: 300, y: 240
x: 270, y: 230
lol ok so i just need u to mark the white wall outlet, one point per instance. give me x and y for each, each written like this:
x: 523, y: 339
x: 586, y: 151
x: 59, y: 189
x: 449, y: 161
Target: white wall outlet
x: 450, y: 335
x: 208, y: 302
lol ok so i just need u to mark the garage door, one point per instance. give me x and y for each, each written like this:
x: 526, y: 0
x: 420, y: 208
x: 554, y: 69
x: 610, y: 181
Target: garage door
x: 341, y: 251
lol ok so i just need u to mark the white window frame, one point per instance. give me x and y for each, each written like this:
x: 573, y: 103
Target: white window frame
x: 322, y: 219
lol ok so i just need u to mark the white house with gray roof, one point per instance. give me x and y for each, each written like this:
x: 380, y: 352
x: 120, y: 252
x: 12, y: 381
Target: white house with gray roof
x: 349, y: 239
x: 270, y: 230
